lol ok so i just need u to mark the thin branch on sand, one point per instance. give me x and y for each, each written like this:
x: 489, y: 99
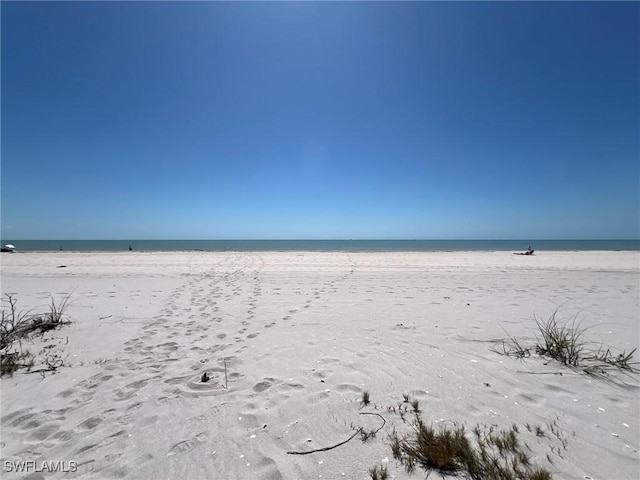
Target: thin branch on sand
x: 384, y: 422
x: 327, y: 448
x: 359, y: 430
x: 540, y: 373
x: 225, y: 374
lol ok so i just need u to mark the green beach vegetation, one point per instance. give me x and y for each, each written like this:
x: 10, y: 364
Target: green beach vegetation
x: 565, y: 342
x: 21, y: 328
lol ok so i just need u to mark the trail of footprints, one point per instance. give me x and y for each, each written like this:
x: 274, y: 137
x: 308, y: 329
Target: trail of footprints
x: 331, y: 286
x: 154, y: 358
x: 123, y: 381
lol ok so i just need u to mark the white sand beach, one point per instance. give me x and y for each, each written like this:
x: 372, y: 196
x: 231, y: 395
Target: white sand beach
x: 291, y: 340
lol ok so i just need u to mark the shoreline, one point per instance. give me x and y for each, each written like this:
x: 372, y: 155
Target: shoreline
x: 536, y: 253
x: 325, y: 245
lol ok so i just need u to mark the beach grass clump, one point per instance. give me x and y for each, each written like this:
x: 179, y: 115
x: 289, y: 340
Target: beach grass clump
x: 488, y: 453
x: 18, y: 327
x: 366, y: 398
x: 565, y: 342
x: 562, y: 342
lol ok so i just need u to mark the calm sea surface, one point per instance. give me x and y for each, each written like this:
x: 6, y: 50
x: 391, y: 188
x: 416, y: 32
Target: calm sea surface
x: 321, y: 245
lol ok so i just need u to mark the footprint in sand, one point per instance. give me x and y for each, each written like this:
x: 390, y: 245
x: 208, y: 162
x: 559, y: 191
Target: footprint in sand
x: 348, y: 388
x: 14, y: 416
x: 65, y: 393
x: 64, y: 435
x: 126, y: 419
x: 132, y: 389
x: 267, y: 468
x: 43, y: 432
x: 112, y: 457
x: 30, y: 421
x: 146, y: 421
x: 265, y: 384
x: 293, y: 386
x: 187, y: 445
x: 103, y: 443
x: 91, y: 423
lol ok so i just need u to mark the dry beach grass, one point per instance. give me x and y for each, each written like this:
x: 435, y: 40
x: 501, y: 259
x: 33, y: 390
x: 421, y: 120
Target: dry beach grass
x: 18, y: 328
x: 303, y: 351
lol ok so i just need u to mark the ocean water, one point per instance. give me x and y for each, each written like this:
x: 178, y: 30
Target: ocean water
x: 322, y: 245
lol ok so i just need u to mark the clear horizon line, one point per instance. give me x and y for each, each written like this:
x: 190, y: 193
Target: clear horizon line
x: 323, y: 239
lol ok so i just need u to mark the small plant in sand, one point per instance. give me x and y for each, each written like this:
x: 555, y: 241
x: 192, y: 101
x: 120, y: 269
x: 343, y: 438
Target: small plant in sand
x: 565, y: 342
x: 366, y: 398
x: 11, y: 362
x: 379, y: 472
x: 365, y: 434
x: 18, y: 327
x: 511, y: 347
x: 602, y: 361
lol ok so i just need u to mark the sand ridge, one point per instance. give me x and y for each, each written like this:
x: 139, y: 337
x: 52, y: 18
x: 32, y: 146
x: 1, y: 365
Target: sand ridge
x: 291, y: 340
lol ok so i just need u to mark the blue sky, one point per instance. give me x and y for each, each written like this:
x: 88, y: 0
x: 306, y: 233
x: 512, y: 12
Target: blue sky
x: 294, y: 120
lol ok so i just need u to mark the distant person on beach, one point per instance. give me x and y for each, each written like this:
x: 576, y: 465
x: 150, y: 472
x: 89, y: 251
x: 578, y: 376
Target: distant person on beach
x: 130, y: 248
x: 528, y: 252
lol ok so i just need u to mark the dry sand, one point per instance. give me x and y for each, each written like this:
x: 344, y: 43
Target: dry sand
x: 302, y: 335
